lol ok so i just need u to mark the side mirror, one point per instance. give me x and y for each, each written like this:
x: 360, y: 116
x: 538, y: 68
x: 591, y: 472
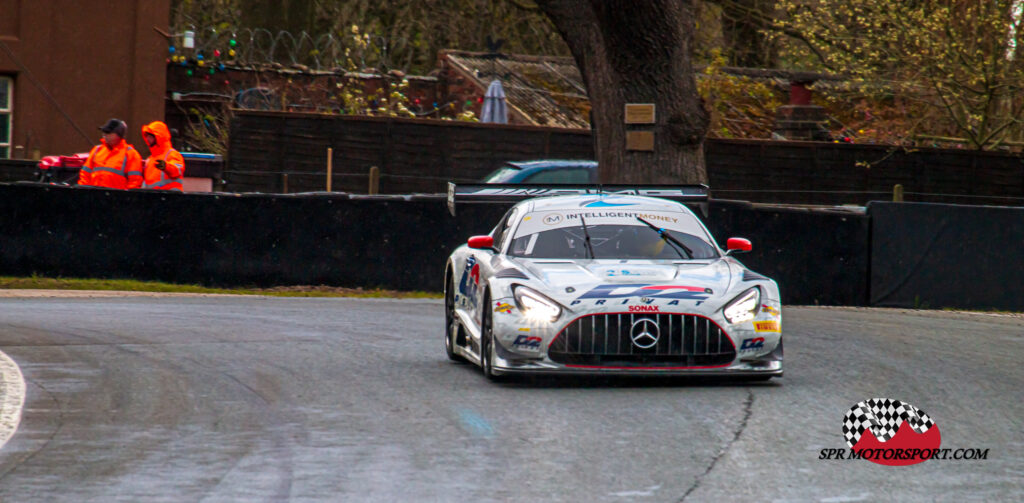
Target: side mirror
x: 739, y: 245
x: 481, y: 242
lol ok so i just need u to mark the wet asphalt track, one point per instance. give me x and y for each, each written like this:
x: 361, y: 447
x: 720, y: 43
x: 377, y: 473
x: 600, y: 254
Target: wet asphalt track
x: 264, y: 399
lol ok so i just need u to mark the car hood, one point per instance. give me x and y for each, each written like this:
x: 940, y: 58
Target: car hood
x: 569, y: 280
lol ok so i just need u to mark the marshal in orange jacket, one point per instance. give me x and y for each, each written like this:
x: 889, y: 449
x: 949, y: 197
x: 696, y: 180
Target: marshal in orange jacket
x: 165, y: 166
x: 117, y: 167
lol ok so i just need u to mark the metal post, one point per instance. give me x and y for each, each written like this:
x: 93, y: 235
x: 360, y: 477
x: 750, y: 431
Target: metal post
x: 284, y: 183
x: 374, y: 180
x: 330, y: 166
x: 897, y: 193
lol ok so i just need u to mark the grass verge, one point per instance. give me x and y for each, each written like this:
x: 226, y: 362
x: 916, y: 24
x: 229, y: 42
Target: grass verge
x: 128, y: 285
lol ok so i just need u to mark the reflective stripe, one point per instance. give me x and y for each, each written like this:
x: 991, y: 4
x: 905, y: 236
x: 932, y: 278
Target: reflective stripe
x: 165, y: 179
x: 134, y: 173
x: 124, y: 163
x: 108, y: 170
x: 87, y: 169
x: 162, y: 183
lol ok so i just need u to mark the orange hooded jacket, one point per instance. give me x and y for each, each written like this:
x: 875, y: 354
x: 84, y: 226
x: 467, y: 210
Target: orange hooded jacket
x: 162, y: 155
x: 117, y: 167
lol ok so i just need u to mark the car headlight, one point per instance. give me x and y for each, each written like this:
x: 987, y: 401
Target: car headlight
x: 536, y: 306
x: 744, y: 307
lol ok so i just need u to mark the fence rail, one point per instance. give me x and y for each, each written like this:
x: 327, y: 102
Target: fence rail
x: 420, y: 156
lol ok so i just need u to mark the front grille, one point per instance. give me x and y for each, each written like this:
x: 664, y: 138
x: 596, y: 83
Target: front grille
x: 684, y: 340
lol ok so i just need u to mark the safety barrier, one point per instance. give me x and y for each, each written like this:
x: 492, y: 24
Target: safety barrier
x: 907, y: 255
x: 937, y: 256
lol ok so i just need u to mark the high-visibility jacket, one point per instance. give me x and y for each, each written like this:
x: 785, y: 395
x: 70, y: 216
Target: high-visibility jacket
x: 161, y: 154
x: 117, y: 167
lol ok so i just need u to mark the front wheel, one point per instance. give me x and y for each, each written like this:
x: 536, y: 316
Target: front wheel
x: 451, y: 324
x: 487, y: 346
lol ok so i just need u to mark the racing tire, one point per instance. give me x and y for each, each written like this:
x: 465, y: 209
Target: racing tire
x: 451, y: 325
x: 487, y: 345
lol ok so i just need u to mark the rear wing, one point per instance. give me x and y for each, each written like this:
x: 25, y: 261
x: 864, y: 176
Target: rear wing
x: 505, y: 193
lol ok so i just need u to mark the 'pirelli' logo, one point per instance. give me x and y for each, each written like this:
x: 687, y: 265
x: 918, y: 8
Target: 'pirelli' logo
x: 766, y: 326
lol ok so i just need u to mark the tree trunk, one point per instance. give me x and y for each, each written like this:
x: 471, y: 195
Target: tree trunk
x: 638, y: 51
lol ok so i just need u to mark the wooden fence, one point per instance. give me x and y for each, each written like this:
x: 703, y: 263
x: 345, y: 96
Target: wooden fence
x: 287, y: 152
x: 273, y: 151
x: 269, y: 150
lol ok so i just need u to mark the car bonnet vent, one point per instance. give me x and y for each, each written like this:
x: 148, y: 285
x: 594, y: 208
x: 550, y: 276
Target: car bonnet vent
x: 510, y: 273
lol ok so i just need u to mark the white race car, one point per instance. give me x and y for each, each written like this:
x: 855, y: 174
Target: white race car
x: 606, y: 280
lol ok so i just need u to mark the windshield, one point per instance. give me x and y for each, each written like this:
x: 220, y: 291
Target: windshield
x: 502, y: 174
x: 613, y: 235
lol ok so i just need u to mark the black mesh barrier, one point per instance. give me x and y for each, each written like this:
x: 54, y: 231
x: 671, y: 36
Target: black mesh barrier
x: 818, y: 257
x: 396, y: 242
x: 940, y: 255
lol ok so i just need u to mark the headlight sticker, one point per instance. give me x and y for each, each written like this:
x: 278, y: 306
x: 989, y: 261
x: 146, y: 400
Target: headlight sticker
x: 770, y: 310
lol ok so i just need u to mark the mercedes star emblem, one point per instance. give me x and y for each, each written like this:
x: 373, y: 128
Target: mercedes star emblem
x: 644, y: 333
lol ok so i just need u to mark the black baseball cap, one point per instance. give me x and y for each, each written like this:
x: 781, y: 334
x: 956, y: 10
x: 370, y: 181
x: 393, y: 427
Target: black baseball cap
x: 115, y: 126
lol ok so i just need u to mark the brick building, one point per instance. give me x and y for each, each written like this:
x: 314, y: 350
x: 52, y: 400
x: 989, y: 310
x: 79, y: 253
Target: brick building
x: 67, y: 67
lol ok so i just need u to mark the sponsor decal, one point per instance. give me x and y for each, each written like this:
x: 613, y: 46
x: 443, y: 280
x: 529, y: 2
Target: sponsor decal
x: 569, y: 289
x: 622, y: 272
x: 553, y: 219
x: 503, y: 307
x: 767, y: 326
x: 644, y: 309
x: 894, y: 433
x: 470, y: 282
x: 652, y: 291
x: 646, y: 300
x: 752, y: 344
x: 770, y: 310
x: 631, y: 215
x: 527, y: 342
x: 524, y: 329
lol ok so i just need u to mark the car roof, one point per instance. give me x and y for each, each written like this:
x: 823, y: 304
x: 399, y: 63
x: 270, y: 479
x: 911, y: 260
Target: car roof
x: 600, y: 202
x: 553, y: 163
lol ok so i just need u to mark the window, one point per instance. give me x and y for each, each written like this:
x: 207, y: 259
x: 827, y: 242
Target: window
x: 618, y: 234
x: 561, y: 175
x: 500, y: 232
x: 6, y: 111
x: 501, y: 175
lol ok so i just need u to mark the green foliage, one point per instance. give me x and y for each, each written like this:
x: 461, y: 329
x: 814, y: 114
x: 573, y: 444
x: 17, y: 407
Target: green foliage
x: 740, y: 107
x: 208, y: 132
x: 958, y: 63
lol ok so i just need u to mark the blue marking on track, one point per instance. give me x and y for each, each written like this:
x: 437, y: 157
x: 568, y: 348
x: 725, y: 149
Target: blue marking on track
x: 475, y: 424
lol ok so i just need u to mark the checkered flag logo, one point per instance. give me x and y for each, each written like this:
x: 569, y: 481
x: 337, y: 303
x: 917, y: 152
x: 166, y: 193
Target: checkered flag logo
x: 883, y: 416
